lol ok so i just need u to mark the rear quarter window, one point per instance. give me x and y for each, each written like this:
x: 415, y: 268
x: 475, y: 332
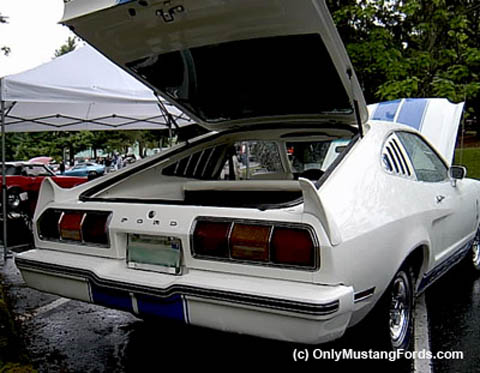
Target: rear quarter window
x: 427, y: 164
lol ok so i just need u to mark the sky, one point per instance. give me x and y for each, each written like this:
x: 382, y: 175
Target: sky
x: 32, y: 33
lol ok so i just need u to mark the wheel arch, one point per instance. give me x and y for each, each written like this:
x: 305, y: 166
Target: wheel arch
x: 15, y: 187
x: 418, y: 258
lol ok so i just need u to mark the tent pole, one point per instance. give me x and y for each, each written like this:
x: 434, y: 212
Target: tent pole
x: 4, y: 180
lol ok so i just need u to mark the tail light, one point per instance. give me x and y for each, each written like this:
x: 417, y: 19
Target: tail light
x: 275, y: 244
x: 48, y: 225
x: 211, y: 238
x: 71, y: 226
x: 250, y: 242
x: 95, y: 228
x: 85, y: 227
x: 292, y: 246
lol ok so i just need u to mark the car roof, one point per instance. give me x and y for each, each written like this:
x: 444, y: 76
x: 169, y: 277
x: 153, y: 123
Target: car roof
x: 22, y: 163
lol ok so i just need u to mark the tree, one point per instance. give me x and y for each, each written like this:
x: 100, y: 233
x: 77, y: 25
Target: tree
x: 6, y: 50
x: 413, y: 48
x: 69, y: 46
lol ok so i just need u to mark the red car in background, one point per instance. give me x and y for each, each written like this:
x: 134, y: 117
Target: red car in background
x: 24, y: 180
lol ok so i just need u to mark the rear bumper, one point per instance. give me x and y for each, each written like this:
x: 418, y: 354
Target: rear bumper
x: 277, y: 309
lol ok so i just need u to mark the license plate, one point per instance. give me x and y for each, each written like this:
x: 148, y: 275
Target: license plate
x: 154, y: 253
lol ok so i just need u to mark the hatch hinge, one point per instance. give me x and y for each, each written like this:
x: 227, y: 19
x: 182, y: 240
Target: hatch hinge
x: 169, y: 117
x: 356, y: 107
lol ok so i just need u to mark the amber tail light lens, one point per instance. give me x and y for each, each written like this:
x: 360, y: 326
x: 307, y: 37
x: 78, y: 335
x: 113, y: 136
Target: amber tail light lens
x: 71, y: 226
x: 250, y: 242
x: 85, y: 227
x: 273, y: 243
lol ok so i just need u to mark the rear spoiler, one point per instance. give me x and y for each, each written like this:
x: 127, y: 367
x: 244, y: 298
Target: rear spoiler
x: 49, y: 192
x: 313, y: 205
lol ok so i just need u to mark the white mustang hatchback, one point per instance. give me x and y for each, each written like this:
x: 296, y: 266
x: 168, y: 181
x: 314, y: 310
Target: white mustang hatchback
x: 294, y: 219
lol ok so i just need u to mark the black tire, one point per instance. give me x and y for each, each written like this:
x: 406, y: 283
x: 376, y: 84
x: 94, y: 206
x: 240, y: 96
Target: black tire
x: 92, y: 175
x: 474, y: 256
x: 392, y: 320
x: 14, y: 201
x: 401, y: 309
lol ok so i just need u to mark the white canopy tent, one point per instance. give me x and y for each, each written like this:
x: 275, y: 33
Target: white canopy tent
x: 81, y: 90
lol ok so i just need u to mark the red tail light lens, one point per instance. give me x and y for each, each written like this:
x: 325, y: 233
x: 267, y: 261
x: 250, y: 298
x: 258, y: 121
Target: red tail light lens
x: 95, y: 227
x: 71, y: 226
x: 274, y: 244
x: 292, y: 246
x: 250, y: 242
x: 210, y: 238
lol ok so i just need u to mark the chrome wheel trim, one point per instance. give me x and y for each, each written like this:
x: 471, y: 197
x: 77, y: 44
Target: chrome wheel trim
x: 476, y: 251
x: 13, y: 200
x: 400, y: 309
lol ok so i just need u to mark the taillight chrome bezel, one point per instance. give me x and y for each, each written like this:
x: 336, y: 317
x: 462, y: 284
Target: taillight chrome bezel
x: 61, y: 213
x: 269, y: 223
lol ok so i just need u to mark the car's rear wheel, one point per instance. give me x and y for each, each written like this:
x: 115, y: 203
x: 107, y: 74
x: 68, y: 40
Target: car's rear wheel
x: 92, y: 175
x: 390, y: 324
x: 401, y: 309
x: 475, y: 252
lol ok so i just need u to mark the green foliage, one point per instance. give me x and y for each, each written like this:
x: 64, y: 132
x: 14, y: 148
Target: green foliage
x: 69, y: 46
x: 23, y: 146
x: 413, y: 48
x: 399, y: 48
x: 6, y: 50
x: 470, y: 158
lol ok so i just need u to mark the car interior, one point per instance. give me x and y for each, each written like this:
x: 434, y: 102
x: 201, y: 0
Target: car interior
x: 237, y: 172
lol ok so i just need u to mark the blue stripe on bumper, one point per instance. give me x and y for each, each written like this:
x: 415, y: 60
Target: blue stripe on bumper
x: 147, y: 305
x: 107, y: 286
x: 111, y: 298
x: 171, y: 308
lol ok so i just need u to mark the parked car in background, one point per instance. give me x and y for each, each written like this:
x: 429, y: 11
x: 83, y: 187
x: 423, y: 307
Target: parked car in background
x: 41, y: 160
x: 342, y: 216
x: 24, y: 180
x: 89, y: 169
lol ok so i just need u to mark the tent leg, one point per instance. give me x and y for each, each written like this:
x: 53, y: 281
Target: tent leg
x: 4, y: 186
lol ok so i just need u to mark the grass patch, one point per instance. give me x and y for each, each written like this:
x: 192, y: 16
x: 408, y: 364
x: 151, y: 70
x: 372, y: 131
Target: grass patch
x: 470, y: 158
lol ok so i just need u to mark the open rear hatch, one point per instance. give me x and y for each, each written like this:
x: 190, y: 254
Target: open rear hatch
x: 230, y: 63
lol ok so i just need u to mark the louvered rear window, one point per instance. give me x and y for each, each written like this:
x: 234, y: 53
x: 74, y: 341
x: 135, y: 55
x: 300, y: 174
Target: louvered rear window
x: 394, y: 158
x: 200, y: 165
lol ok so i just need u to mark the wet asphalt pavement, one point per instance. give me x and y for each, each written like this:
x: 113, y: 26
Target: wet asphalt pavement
x: 63, y: 335
x: 454, y: 313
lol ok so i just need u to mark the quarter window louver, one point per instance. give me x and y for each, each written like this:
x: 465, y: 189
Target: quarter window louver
x: 403, y: 159
x: 200, y: 165
x: 394, y: 160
